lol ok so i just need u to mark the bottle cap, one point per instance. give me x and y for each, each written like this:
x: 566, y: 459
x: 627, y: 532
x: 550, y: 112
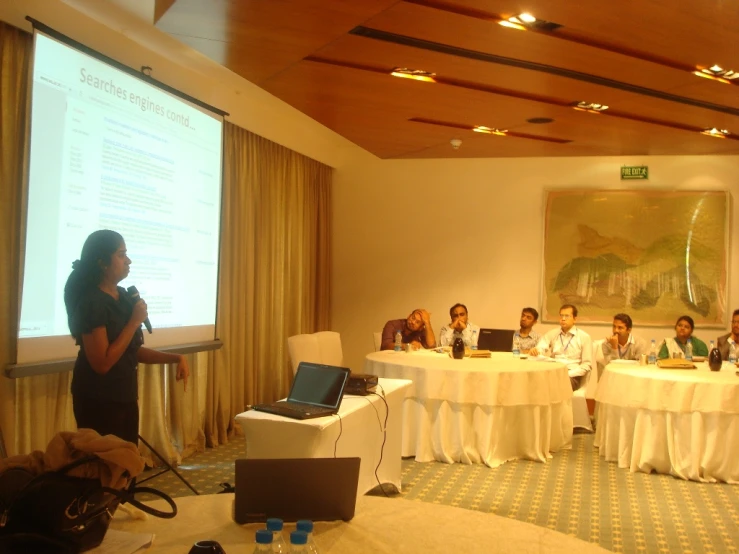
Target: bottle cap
x: 298, y: 537
x: 264, y: 536
x: 305, y: 525
x: 274, y: 524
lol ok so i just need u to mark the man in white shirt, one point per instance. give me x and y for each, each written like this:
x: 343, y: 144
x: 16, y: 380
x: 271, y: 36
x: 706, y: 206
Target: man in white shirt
x: 459, y: 327
x: 568, y: 342
x: 724, y: 342
x: 622, y: 345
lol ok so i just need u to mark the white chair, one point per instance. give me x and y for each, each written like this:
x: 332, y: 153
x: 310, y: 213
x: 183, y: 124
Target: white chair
x: 378, y: 341
x: 323, y: 347
x: 580, y: 413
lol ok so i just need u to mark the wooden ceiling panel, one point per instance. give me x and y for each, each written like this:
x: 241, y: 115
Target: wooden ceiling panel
x: 633, y: 55
x: 442, y: 27
x: 263, y: 37
x: 693, y: 32
x: 363, y: 51
x: 484, y: 36
x: 373, y: 110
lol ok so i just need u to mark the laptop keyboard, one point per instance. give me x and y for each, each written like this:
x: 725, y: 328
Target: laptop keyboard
x: 294, y: 408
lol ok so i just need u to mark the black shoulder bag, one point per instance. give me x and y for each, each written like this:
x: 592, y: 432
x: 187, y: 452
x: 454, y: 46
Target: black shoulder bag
x: 57, y: 513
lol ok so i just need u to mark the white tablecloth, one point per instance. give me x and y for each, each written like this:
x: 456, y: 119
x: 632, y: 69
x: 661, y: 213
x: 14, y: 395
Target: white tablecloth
x: 681, y: 422
x: 380, y: 526
x: 360, y: 427
x: 482, y: 410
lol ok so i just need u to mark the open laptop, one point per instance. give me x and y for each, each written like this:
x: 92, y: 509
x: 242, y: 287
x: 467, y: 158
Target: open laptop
x: 495, y: 340
x: 316, y: 392
x: 319, y: 489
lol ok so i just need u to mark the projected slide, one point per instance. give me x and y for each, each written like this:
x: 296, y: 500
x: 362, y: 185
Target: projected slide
x: 110, y: 151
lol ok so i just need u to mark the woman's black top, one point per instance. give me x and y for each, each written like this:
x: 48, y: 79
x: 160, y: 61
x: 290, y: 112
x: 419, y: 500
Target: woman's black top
x: 98, y: 309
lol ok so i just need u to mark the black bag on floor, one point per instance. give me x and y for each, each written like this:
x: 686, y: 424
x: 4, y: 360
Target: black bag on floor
x: 58, y: 513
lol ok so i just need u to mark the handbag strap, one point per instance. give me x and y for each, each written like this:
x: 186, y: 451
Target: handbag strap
x: 127, y: 496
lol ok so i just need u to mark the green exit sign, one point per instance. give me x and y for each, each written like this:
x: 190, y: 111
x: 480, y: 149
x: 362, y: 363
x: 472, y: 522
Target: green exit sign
x: 635, y: 172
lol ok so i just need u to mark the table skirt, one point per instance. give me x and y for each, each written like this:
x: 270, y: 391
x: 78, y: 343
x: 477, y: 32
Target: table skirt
x: 468, y: 433
x: 694, y: 446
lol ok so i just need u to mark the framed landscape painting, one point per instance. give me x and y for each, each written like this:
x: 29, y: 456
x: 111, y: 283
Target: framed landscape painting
x: 654, y: 255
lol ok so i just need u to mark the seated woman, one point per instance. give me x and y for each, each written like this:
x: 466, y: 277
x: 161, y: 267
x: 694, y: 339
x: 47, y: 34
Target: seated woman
x: 683, y: 334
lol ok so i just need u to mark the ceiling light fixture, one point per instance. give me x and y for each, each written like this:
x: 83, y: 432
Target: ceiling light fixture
x: 524, y: 21
x: 415, y: 74
x: 717, y: 133
x: 490, y: 131
x: 589, y: 107
x: 717, y: 73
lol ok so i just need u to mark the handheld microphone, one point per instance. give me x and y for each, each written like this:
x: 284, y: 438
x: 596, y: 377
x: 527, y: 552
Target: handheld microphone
x: 134, y: 294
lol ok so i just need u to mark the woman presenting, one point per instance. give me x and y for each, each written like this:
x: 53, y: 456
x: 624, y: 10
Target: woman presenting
x: 106, y: 324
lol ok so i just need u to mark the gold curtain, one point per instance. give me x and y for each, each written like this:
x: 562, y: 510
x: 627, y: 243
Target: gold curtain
x: 274, y: 272
x: 15, y: 50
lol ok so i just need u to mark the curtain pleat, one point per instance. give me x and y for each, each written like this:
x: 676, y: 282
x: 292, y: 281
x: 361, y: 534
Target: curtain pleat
x: 274, y: 274
x: 15, y: 51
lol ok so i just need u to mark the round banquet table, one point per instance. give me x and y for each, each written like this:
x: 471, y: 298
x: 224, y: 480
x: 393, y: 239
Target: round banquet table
x: 682, y: 422
x: 479, y: 410
x: 380, y: 526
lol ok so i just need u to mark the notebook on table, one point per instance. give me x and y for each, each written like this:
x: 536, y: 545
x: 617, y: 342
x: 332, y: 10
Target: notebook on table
x: 317, y: 391
x: 319, y: 489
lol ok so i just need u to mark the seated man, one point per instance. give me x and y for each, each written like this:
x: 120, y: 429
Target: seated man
x: 568, y: 342
x: 622, y: 345
x: 527, y: 338
x: 724, y: 342
x: 415, y: 329
x: 459, y: 327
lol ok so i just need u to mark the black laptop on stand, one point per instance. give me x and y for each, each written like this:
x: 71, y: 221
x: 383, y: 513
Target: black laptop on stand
x: 317, y: 391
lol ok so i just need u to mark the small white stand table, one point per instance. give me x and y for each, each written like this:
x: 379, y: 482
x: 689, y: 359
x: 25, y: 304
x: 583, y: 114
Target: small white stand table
x: 357, y: 431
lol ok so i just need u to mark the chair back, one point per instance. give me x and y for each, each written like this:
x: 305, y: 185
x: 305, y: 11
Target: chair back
x: 323, y: 347
x: 377, y: 340
x: 595, y: 372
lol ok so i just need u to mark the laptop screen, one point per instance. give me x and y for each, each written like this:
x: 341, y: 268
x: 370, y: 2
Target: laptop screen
x: 319, y: 385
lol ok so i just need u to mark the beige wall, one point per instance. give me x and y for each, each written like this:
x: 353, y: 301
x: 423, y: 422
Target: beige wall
x: 115, y: 32
x: 429, y: 233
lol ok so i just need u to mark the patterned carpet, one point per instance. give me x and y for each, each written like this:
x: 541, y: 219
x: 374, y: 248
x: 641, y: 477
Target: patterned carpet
x: 576, y: 493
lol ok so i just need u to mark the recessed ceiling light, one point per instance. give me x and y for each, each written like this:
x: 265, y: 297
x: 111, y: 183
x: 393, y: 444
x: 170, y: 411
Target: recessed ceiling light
x: 415, y: 74
x: 589, y: 107
x: 718, y: 133
x: 490, y: 131
x: 527, y: 18
x: 526, y: 21
x: 512, y: 23
x: 717, y: 73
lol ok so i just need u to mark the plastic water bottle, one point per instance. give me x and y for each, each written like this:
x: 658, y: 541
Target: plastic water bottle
x: 652, y: 358
x: 264, y: 542
x: 274, y: 525
x: 732, y: 352
x: 398, y: 341
x: 306, y: 526
x: 473, y: 340
x: 689, y: 350
x: 516, y: 346
x: 298, y: 542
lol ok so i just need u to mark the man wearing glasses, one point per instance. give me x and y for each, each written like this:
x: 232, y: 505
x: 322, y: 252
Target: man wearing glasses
x: 459, y: 327
x: 570, y: 343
